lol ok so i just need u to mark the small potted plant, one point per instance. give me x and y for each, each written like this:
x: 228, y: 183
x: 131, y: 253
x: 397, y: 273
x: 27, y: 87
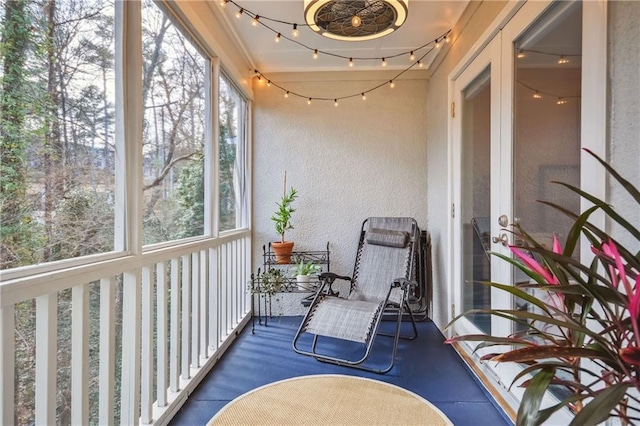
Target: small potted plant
x: 282, y: 222
x: 303, y: 271
x: 272, y: 281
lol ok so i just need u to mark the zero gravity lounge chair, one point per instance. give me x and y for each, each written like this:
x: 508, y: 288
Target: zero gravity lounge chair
x: 379, y: 287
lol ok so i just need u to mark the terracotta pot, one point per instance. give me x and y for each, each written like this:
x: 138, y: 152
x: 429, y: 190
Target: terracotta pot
x: 282, y: 251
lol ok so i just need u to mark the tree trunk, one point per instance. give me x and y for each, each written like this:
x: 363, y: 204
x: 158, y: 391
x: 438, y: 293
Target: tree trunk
x: 53, y: 151
x: 15, y: 40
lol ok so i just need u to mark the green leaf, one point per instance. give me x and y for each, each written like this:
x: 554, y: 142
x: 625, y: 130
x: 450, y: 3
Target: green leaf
x: 599, y: 409
x: 530, y: 406
x: 625, y: 183
x: 547, y: 412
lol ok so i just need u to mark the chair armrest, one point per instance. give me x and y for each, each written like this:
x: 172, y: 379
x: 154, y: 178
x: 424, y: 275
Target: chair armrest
x: 330, y: 277
x: 403, y: 283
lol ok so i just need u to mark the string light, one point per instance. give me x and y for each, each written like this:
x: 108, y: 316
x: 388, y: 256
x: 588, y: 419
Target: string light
x: 268, y: 83
x: 420, y: 64
x: 560, y: 59
x: 447, y: 39
x: 309, y: 101
x: 356, y: 21
x: 384, y: 62
x: 392, y: 84
x: 223, y: 3
x: 286, y: 95
x: 364, y: 97
x: 539, y: 94
x: 278, y: 38
x: 351, y: 62
x: 257, y: 19
x: 335, y: 102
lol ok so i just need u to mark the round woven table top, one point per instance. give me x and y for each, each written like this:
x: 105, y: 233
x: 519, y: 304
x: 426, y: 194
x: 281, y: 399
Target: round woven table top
x: 329, y: 400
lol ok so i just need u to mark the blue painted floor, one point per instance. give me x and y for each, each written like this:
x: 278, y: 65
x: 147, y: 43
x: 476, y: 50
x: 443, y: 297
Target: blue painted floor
x: 425, y: 366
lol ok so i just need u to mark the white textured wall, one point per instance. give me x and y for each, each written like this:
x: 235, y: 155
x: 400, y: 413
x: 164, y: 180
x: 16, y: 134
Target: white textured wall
x: 360, y: 159
x: 624, y: 107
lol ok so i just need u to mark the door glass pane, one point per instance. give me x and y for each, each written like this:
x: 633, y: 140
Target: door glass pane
x: 546, y: 135
x: 547, y: 122
x: 476, y: 196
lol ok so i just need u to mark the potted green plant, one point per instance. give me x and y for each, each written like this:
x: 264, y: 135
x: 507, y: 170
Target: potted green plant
x: 282, y: 222
x: 580, y: 312
x: 302, y: 272
x: 272, y: 281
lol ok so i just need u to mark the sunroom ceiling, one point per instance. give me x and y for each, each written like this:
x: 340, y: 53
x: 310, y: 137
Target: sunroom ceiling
x: 426, y: 21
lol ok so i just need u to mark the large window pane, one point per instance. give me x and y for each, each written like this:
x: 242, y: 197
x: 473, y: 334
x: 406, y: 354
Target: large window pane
x: 57, y: 146
x: 476, y: 197
x: 173, y: 135
x: 232, y: 156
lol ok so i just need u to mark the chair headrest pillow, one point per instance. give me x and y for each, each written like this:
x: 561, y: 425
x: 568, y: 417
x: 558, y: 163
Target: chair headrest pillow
x: 387, y: 237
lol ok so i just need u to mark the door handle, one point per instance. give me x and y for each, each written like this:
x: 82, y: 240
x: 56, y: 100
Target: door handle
x: 501, y: 239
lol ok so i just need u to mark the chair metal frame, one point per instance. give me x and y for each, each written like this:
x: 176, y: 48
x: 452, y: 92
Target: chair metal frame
x: 398, y: 307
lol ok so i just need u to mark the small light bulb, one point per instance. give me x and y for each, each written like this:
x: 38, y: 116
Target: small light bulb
x: 392, y: 84
x: 356, y: 21
x: 420, y: 64
x: 384, y: 62
x: 315, y: 53
x: 278, y: 38
x: 286, y: 95
x: 437, y: 44
x: 521, y: 54
x: 563, y: 60
x: 309, y: 101
x: 351, y: 62
x: 447, y: 39
x: 295, y: 31
x: 412, y: 57
x: 268, y: 83
x: 223, y: 3
x: 239, y: 13
x: 537, y: 95
x: 335, y: 102
x: 561, y: 101
x: 255, y: 20
x: 364, y: 97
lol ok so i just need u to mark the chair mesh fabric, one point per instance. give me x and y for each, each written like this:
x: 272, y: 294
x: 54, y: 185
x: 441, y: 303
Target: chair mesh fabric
x: 344, y: 319
x: 377, y: 267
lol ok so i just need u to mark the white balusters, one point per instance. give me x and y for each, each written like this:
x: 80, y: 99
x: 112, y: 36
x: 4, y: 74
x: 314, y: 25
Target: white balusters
x: 46, y: 354
x: 107, y: 351
x: 80, y: 355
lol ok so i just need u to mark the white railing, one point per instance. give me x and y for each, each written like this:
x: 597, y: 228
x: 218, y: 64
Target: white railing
x: 124, y: 340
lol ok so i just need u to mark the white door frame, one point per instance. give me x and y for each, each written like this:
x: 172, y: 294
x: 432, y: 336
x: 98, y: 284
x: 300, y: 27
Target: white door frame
x: 593, y: 125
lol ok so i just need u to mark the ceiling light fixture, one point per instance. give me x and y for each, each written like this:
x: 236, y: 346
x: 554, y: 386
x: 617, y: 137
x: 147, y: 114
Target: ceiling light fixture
x: 355, y: 20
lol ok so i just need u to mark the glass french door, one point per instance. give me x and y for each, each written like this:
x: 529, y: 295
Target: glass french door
x: 516, y: 127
